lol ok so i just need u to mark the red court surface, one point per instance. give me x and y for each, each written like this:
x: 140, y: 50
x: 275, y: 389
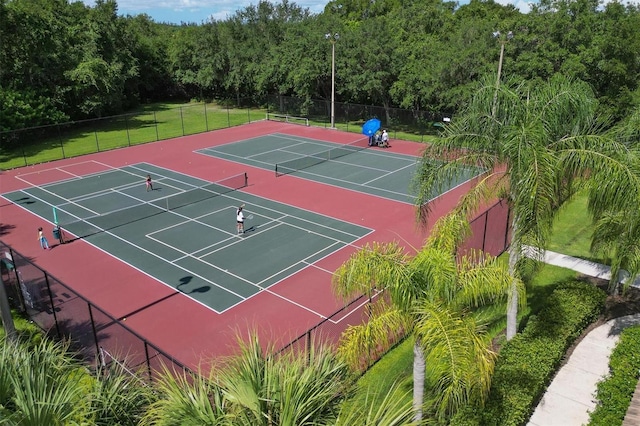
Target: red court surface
x: 185, y: 330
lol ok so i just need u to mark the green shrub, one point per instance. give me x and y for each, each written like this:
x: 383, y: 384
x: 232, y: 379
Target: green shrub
x: 527, y: 362
x: 616, y: 390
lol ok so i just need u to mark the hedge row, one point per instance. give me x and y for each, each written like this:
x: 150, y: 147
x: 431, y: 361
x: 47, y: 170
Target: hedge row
x: 616, y: 390
x: 527, y: 363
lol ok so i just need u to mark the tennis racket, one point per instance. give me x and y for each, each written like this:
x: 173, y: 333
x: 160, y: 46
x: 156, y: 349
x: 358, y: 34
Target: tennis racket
x: 250, y: 217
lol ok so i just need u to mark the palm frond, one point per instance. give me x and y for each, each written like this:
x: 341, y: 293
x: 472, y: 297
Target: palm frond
x: 360, y: 345
x: 458, y: 358
x: 186, y: 400
x: 483, y: 281
x: 395, y: 409
x: 376, y: 266
x: 50, y: 387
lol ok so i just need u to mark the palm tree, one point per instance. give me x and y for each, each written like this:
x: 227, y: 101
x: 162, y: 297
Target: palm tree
x: 256, y: 387
x: 538, y: 144
x: 438, y: 296
x: 616, y: 233
x: 41, y: 383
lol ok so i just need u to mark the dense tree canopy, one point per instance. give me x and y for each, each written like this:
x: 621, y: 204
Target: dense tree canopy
x: 63, y: 60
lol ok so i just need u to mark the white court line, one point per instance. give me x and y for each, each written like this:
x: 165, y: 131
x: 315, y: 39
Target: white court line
x: 238, y: 241
x: 57, y: 168
x: 258, y: 285
x: 219, y: 153
x: 270, y: 166
x: 189, y: 255
x: 61, y: 181
x: 301, y: 261
x: 352, y: 309
x: 388, y: 191
x: 304, y: 138
x: 133, y: 267
x: 58, y: 196
x: 100, y: 193
x: 223, y: 288
x: 282, y: 214
x: 270, y: 151
x: 387, y: 174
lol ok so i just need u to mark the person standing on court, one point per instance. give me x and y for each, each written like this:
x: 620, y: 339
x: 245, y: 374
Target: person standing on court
x: 43, y: 240
x: 240, y: 219
x: 149, y: 184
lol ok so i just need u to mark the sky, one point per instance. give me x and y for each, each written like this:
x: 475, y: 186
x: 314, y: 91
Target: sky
x: 196, y: 11
x: 199, y: 11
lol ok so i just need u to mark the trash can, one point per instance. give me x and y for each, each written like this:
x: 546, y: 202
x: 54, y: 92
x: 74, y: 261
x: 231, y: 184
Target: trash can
x: 56, y: 233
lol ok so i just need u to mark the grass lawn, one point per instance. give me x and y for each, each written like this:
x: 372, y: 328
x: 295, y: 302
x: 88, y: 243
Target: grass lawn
x: 395, y: 367
x: 572, y: 230
x: 148, y: 124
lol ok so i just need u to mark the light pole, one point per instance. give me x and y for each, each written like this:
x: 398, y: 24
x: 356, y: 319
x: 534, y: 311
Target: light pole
x: 333, y: 37
x: 503, y: 40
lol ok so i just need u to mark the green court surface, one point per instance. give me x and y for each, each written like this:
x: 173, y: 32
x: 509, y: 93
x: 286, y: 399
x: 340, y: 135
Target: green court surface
x: 373, y: 171
x: 183, y: 232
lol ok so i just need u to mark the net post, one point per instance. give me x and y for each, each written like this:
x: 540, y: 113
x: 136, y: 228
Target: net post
x: 246, y: 179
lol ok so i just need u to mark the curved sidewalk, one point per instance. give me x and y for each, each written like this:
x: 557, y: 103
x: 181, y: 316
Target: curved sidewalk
x: 570, y: 396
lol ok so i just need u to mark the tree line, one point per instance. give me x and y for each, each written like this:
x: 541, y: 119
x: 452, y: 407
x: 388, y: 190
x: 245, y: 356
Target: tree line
x: 63, y: 61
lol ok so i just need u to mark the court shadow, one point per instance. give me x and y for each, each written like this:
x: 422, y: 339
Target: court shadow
x: 22, y: 200
x: 253, y: 228
x: 5, y: 228
x: 184, y: 281
x: 203, y: 289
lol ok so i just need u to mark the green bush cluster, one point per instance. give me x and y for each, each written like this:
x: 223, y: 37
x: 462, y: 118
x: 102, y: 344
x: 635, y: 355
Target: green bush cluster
x: 616, y: 390
x: 527, y: 363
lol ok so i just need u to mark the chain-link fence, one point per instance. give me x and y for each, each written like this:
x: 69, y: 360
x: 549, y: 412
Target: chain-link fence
x: 47, y: 143
x: 35, y: 145
x: 401, y: 123
x: 62, y: 313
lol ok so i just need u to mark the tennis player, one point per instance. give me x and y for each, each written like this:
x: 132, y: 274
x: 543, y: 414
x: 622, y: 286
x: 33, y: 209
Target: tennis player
x: 240, y: 219
x: 149, y: 183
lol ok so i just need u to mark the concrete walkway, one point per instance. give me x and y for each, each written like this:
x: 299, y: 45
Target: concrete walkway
x: 570, y: 396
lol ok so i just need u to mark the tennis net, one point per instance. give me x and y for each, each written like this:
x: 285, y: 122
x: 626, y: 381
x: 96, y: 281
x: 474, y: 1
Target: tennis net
x: 285, y: 118
x: 301, y: 163
x: 85, y: 227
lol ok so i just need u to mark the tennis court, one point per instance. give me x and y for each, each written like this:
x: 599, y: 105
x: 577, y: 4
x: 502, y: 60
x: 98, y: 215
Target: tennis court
x: 183, y: 232
x: 170, y: 261
x: 354, y: 166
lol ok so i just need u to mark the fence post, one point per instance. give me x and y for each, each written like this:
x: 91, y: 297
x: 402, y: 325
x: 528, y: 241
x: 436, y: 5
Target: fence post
x: 95, y: 332
x: 97, y: 142
x: 182, y: 121
x: 484, y: 233
x: 23, y: 306
x: 146, y: 357
x: 206, y: 119
x: 53, y: 308
x: 308, y: 347
x: 126, y: 125
x: 61, y: 142
x: 155, y: 121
